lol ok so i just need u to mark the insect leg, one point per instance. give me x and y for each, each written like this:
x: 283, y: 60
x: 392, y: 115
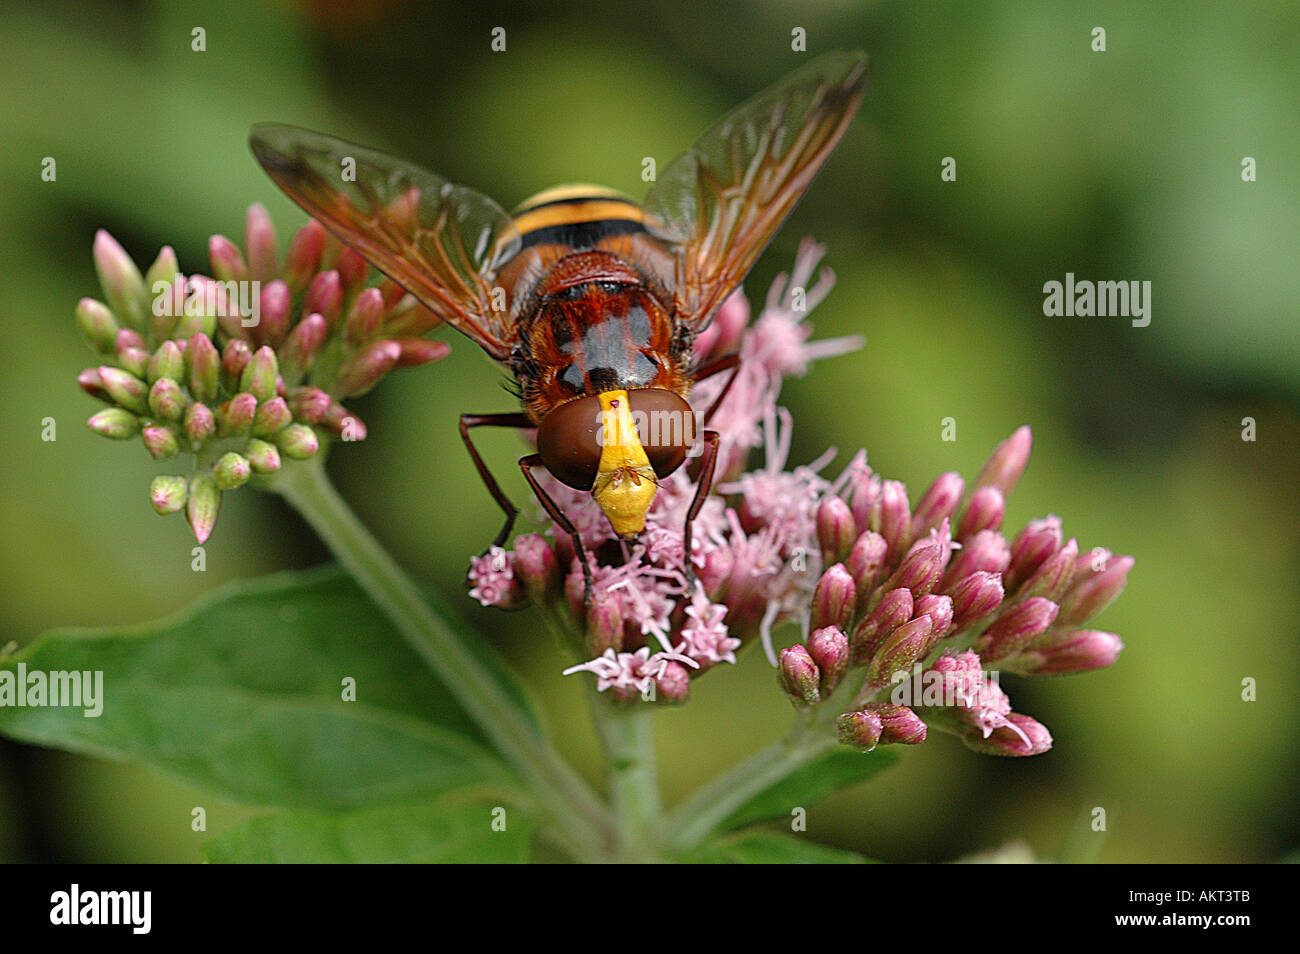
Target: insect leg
x: 515, y: 419
x: 526, y: 464
x: 707, y: 461
x: 730, y: 362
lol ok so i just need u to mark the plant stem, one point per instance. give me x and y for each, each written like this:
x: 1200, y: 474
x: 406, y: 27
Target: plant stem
x: 709, y: 806
x: 572, y: 806
x: 627, y: 735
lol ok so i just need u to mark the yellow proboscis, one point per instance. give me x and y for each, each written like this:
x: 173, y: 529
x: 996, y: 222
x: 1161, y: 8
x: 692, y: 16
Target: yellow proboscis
x: 625, y: 482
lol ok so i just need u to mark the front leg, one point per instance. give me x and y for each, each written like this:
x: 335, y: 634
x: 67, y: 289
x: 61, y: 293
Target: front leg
x: 553, y: 510
x: 708, y: 459
x: 516, y: 419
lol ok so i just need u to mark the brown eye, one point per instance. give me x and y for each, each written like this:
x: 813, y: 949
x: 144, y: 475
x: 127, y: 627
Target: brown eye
x: 569, y: 441
x: 665, y: 424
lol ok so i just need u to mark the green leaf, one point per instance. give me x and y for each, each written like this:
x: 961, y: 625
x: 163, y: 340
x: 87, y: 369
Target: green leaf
x: 838, y: 768
x: 452, y: 829
x: 770, y: 848
x: 242, y: 695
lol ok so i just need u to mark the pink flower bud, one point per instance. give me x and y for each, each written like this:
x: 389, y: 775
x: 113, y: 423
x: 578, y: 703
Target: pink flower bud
x: 324, y: 297
x: 232, y: 471
x: 1093, y: 592
x: 418, y: 351
x: 1060, y: 652
x: 127, y: 338
x: 167, y: 306
x: 202, y: 506
x: 937, y: 504
x: 673, y: 684
x: 274, y: 318
x: 1032, y: 546
x: 343, y: 423
x: 861, y: 729
x: 97, y: 325
x: 199, y: 424
x: 134, y: 361
x: 91, y: 383
x: 1021, y: 736
x: 264, y: 458
x: 309, y: 404
x: 986, y: 552
x: 834, y: 599
x: 537, y: 567
x: 985, y: 511
x: 297, y: 441
x: 115, y: 422
x: 1016, y: 628
x: 124, y: 388
x: 235, y: 417
x: 271, y: 417
x: 167, y: 362
x: 363, y: 370
x: 899, y: 724
x: 1053, y: 576
x: 204, y: 367
x: 304, y: 255
x: 922, y: 568
x: 260, y: 241
x: 365, y: 320
x: 903, y: 648
x: 866, y: 564
x: 258, y: 377
x: 939, y: 609
x: 122, y: 282
x: 829, y: 649
x: 891, y: 518
x: 1007, y: 463
x: 234, y: 359
x: 167, y: 494
x: 836, y: 530
x: 299, y: 350
x: 893, y: 610
x: 863, y: 493
x: 604, y: 624
x: 799, y: 676
x: 160, y: 442
x: 227, y: 264
x: 974, y: 598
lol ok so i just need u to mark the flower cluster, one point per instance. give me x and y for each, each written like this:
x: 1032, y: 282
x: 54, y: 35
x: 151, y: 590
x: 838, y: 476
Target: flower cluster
x: 903, y: 606
x: 922, y: 612
x: 245, y: 365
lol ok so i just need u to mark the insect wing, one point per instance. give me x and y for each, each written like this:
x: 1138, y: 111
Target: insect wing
x: 719, y: 204
x: 442, y: 242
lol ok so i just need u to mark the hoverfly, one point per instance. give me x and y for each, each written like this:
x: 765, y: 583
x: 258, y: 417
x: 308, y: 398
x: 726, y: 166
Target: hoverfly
x: 588, y: 299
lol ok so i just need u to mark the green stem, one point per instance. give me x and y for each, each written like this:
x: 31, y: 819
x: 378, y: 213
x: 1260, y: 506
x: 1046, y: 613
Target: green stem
x: 571, y: 804
x: 627, y: 735
x: 709, y: 806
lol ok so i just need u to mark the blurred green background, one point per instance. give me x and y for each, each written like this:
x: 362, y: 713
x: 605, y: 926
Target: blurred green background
x: 1122, y: 165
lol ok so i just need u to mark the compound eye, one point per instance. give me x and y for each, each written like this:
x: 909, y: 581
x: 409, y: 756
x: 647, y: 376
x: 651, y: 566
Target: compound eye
x: 665, y: 424
x: 569, y: 441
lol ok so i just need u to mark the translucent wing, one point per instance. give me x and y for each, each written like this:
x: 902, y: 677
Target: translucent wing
x: 719, y: 204
x: 442, y: 242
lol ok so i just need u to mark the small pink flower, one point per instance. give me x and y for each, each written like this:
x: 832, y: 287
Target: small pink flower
x: 982, y: 709
x: 705, y: 638
x: 629, y: 674
x: 493, y: 576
